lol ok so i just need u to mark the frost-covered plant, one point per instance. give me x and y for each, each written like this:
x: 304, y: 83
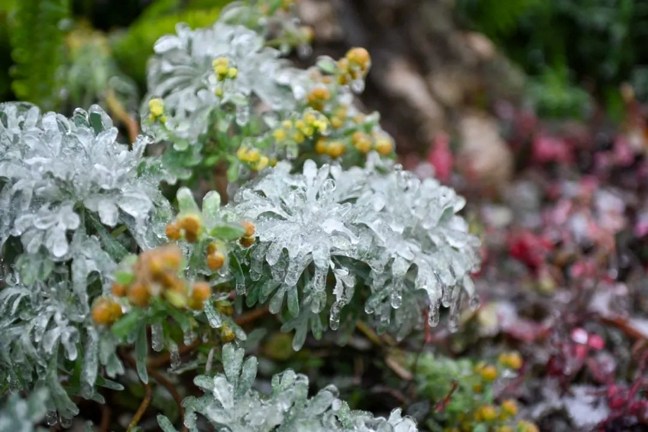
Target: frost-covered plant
x: 84, y: 270
x: 334, y: 238
x: 58, y: 175
x: 217, y: 90
x: 73, y: 202
x: 230, y: 402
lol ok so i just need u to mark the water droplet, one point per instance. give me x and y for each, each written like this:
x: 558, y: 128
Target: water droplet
x: 65, y: 422
x: 304, y: 51
x: 473, y: 303
x: 396, y: 299
x: 357, y: 86
x: 242, y: 115
x: 51, y: 418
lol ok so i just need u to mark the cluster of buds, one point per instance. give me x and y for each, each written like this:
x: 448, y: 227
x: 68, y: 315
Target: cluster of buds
x: 253, y: 158
x: 188, y: 227
x: 309, y: 125
x: 353, y: 66
x: 332, y: 148
x: 490, y: 413
x: 362, y: 142
x: 154, y: 274
x: 156, y: 110
x: 223, y: 70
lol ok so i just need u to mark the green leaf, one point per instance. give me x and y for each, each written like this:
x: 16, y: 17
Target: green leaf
x: 141, y: 352
x: 186, y: 201
x: 327, y: 65
x: 165, y: 424
x: 227, y: 232
x: 127, y: 324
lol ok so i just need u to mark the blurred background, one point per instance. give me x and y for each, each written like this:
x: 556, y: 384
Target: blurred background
x: 443, y: 70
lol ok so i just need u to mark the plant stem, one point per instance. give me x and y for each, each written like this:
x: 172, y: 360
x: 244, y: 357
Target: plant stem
x: 142, y: 408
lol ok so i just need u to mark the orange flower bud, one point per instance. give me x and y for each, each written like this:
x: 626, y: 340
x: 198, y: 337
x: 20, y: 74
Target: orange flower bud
x: 106, y: 311
x: 118, y: 290
x: 215, y: 260
x: 172, y: 231
x: 139, y: 294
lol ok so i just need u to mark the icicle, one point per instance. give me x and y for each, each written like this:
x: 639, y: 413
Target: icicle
x: 175, y: 355
x: 433, y: 315
x: 51, y: 418
x: 242, y: 115
x: 189, y: 337
x: 212, y: 316
x: 334, y: 316
x: 446, y: 297
x: 157, y: 337
x: 396, y: 298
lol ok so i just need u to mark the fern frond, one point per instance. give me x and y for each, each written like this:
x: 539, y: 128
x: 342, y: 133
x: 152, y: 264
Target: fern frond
x: 494, y: 17
x: 38, y: 50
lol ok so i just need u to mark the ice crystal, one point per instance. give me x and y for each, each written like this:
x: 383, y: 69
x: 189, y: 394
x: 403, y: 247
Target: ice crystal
x: 58, y: 173
x: 231, y: 403
x: 76, y: 201
x: 376, y: 234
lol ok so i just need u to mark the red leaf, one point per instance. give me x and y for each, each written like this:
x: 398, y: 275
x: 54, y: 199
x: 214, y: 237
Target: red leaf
x: 441, y: 158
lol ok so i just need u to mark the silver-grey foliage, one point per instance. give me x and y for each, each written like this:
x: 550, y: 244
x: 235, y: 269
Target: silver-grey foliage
x: 378, y: 230
x: 182, y: 75
x: 231, y: 403
x: 64, y: 185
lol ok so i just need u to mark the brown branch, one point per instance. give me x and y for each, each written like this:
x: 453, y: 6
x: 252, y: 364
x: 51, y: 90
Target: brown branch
x: 104, y: 426
x: 142, y: 408
x: 170, y: 387
x: 162, y: 380
x: 118, y: 111
x: 443, y: 403
x: 251, y: 316
x: 163, y: 359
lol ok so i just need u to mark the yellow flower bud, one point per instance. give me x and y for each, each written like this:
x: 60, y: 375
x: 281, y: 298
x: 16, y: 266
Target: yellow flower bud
x: 279, y: 134
x: 156, y: 107
x: 486, y: 413
x: 509, y: 408
x: 262, y: 163
x: 384, y: 146
x: 488, y: 373
x: 320, y: 146
x: 335, y: 149
x: 511, y: 360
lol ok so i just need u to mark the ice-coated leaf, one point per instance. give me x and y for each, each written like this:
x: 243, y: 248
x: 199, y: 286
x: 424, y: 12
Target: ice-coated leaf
x: 232, y: 404
x: 376, y: 228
